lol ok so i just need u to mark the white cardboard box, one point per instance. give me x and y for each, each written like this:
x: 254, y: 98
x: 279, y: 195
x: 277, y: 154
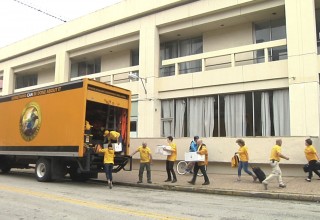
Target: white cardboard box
x: 160, y: 150
x: 116, y: 147
x: 193, y: 156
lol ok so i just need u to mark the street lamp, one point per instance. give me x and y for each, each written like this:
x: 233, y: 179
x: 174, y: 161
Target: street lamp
x: 134, y: 76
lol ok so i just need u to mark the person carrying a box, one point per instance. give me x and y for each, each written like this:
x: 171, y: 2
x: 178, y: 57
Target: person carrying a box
x: 170, y: 160
x: 193, y: 148
x: 145, y: 161
x: 200, y: 165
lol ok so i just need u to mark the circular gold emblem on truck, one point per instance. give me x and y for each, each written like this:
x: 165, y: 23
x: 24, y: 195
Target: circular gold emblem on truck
x: 30, y: 121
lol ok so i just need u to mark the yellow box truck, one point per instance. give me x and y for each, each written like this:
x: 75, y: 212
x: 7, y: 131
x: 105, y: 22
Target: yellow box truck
x: 58, y: 128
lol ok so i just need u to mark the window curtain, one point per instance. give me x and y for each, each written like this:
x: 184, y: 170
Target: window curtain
x: 265, y: 114
x: 208, y: 116
x: 281, y: 112
x: 167, y: 116
x: 179, y: 118
x: 201, y: 116
x: 235, y: 115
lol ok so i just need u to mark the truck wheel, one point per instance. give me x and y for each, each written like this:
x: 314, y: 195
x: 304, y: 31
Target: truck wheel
x: 43, y: 170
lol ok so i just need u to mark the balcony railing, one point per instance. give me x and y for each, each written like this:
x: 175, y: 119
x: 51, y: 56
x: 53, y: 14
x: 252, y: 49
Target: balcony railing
x: 236, y: 56
x: 112, y: 76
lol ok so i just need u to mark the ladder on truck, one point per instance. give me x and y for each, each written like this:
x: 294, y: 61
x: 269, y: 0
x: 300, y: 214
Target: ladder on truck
x: 111, y: 122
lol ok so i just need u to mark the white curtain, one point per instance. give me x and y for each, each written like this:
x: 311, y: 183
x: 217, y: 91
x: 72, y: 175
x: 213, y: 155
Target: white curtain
x: 281, y: 113
x: 235, y: 115
x: 208, y: 116
x: 167, y: 116
x: 179, y: 118
x: 201, y: 116
x: 196, y: 116
x: 265, y: 114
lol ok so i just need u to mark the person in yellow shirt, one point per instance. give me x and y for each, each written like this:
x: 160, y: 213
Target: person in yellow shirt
x: 312, y: 157
x: 244, y: 160
x: 201, y: 165
x: 274, y: 163
x: 145, y: 161
x: 112, y: 136
x: 170, y: 160
x: 108, y: 161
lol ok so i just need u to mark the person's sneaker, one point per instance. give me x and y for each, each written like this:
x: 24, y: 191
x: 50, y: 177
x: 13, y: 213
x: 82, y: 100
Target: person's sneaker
x: 191, y: 182
x: 206, y: 183
x: 139, y: 181
x: 110, y: 185
x: 308, y: 180
x: 173, y: 181
x: 255, y: 179
x: 265, y: 185
x: 282, y: 186
x: 150, y: 181
x: 167, y: 180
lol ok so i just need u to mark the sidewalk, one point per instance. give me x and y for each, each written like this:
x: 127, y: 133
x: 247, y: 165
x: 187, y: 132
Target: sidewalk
x: 297, y: 188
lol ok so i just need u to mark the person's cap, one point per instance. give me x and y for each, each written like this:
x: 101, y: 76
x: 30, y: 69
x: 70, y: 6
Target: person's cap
x: 196, y: 137
x: 106, y: 133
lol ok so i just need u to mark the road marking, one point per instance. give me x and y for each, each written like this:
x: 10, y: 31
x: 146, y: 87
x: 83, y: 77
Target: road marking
x: 107, y: 207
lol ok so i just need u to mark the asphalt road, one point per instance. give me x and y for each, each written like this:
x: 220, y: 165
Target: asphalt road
x: 22, y: 197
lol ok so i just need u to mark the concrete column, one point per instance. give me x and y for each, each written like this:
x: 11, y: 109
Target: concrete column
x: 149, y: 46
x: 302, y: 67
x: 8, y: 81
x: 62, y: 68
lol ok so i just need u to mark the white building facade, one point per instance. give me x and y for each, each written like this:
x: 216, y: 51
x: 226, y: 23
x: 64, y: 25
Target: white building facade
x: 218, y: 69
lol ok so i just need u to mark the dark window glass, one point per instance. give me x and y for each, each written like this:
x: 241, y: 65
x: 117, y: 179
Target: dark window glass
x: 23, y: 81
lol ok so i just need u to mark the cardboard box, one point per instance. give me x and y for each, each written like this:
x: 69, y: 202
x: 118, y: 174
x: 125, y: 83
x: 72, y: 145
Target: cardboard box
x: 116, y: 147
x: 160, y: 150
x: 193, y: 156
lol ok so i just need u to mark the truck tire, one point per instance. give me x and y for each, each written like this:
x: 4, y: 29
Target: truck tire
x: 43, y: 170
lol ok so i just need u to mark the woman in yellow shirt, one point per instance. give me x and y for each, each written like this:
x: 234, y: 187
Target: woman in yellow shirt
x: 312, y: 157
x: 108, y: 161
x: 170, y: 160
x: 244, y: 160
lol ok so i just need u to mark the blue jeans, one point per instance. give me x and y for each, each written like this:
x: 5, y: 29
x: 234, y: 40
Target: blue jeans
x: 108, y: 169
x: 243, y: 165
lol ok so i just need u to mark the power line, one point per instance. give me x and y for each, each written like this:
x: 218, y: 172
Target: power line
x: 39, y: 10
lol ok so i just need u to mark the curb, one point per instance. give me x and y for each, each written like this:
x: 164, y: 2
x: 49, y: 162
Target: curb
x: 229, y: 192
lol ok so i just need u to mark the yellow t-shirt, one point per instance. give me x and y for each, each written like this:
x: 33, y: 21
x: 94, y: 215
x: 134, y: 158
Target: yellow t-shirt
x: 310, y: 153
x: 274, y: 153
x: 114, y: 135
x: 203, y: 151
x: 243, y: 154
x: 173, y: 155
x: 108, y: 155
x: 144, y: 154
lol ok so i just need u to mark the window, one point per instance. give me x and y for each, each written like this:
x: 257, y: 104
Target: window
x: 259, y: 113
x: 85, y: 67
x: 318, y: 28
x: 134, y: 119
x: 23, y: 81
x: 1, y: 82
x: 135, y: 62
x: 270, y: 31
x: 180, y: 48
